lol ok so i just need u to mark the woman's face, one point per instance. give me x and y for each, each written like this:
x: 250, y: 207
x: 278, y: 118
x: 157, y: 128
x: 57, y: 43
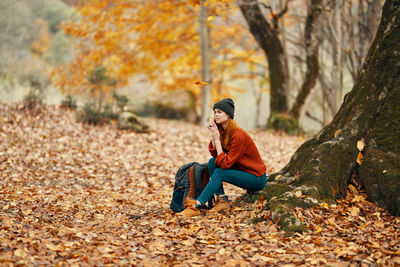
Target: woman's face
x: 220, y: 116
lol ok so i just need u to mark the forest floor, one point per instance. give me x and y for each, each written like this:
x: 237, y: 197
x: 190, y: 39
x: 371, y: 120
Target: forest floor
x: 75, y: 194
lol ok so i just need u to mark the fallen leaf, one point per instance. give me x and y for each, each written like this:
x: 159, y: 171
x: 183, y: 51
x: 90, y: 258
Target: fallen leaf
x: 318, y: 230
x: 354, y: 211
x: 337, y: 132
x: 360, y: 158
x: 361, y: 144
x: 353, y: 189
x: 19, y: 253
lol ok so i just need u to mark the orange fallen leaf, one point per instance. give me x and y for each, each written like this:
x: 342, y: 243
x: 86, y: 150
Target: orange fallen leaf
x: 318, y: 230
x: 19, y: 253
x: 360, y: 158
x: 354, y: 211
x: 353, y: 189
x: 337, y: 132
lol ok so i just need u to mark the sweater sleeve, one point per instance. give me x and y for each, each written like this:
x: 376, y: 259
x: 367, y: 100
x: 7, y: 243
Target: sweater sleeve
x: 213, y: 150
x: 238, y: 147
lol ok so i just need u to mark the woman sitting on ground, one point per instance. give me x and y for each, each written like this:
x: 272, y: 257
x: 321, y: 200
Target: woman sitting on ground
x: 236, y: 160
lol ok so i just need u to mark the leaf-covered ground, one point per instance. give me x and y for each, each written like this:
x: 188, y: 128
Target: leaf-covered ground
x: 76, y: 194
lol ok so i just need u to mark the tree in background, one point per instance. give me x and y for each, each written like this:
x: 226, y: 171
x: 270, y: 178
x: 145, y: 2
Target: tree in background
x: 204, y: 34
x: 157, y: 38
x: 338, y: 47
x: 358, y: 35
x: 268, y: 36
x: 346, y: 34
x: 311, y: 44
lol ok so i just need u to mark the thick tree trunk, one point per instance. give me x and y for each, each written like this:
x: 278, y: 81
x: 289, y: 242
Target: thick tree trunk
x: 311, y: 47
x: 267, y: 38
x: 322, y: 166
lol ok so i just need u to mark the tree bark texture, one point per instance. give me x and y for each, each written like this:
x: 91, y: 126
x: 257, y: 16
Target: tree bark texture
x: 267, y: 38
x: 311, y: 47
x: 322, y: 167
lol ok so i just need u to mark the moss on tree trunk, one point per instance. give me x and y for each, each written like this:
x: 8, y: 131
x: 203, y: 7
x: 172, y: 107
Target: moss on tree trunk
x: 322, y: 166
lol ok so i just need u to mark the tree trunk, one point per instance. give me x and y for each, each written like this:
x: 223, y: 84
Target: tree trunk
x: 322, y: 166
x: 205, y: 64
x: 267, y: 38
x: 311, y: 47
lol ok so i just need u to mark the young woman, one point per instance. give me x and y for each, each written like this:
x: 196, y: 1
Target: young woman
x: 236, y: 160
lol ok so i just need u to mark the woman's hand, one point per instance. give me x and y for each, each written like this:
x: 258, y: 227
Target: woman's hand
x: 214, y: 130
x: 212, y: 126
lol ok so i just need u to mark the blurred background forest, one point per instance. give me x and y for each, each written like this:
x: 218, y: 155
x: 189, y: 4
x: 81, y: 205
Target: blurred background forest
x: 158, y: 57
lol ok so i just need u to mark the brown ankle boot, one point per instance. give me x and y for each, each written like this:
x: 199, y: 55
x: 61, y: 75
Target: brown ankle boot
x: 189, y: 212
x: 189, y: 202
x: 220, y: 205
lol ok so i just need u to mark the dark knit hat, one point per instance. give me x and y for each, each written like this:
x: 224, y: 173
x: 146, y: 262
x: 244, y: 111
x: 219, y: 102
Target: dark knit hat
x: 227, y: 106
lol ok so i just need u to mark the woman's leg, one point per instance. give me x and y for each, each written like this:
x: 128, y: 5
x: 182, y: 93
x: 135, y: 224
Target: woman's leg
x: 239, y: 178
x: 211, y: 168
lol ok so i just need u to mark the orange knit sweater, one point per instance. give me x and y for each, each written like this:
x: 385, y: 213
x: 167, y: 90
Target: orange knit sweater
x: 243, y: 154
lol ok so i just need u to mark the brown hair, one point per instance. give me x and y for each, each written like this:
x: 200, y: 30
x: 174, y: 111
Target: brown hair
x: 226, y: 135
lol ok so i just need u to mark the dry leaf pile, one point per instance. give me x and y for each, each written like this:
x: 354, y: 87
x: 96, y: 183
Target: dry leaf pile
x: 74, y: 194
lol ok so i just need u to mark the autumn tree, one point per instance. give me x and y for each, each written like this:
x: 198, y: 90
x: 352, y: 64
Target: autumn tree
x: 158, y: 39
x: 365, y: 127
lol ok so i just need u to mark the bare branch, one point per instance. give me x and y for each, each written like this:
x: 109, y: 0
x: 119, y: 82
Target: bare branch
x: 284, y: 10
x: 308, y: 114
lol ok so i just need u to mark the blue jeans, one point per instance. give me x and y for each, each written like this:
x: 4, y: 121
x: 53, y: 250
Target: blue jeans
x: 239, y: 178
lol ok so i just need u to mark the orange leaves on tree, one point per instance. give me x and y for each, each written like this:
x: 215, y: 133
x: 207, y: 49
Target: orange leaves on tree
x: 43, y: 38
x: 158, y: 38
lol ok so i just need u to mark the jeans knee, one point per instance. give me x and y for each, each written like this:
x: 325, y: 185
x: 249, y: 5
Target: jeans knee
x: 211, y: 162
x: 218, y: 172
x: 211, y: 166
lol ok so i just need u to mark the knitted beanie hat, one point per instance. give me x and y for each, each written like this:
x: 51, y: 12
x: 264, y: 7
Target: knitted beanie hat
x: 226, y: 105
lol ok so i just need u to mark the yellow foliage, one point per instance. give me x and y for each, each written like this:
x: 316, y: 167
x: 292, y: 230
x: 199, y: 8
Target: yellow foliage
x: 43, y: 38
x: 158, y: 38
